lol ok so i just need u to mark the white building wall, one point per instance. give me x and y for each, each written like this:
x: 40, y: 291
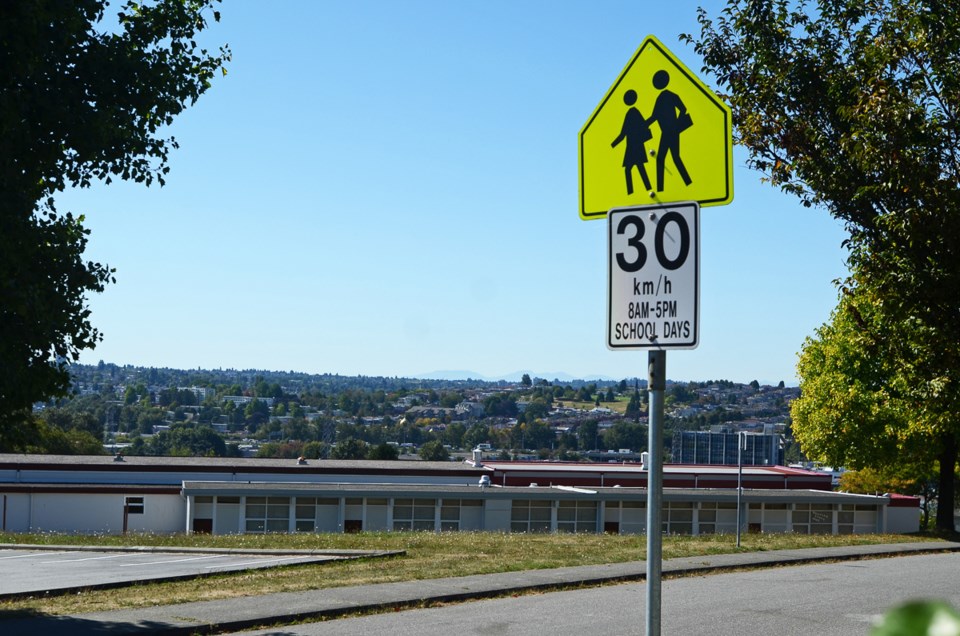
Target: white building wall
x: 84, y: 514
x: 92, y: 513
x: 633, y: 520
x: 15, y: 512
x: 328, y: 518
x: 902, y: 520
x: 161, y: 513
x: 376, y: 518
x: 227, y: 520
x: 776, y: 520
x: 496, y: 516
x: 471, y: 518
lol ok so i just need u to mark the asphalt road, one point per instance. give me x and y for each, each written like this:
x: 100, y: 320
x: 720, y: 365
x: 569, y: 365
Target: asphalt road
x: 838, y: 599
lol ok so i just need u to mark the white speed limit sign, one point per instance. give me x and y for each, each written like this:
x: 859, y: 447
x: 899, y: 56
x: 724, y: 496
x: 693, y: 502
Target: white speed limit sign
x: 654, y: 277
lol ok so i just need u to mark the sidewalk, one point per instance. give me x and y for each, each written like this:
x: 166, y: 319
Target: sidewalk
x: 274, y: 609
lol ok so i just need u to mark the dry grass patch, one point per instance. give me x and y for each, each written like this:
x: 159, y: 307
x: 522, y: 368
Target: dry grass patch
x: 428, y: 556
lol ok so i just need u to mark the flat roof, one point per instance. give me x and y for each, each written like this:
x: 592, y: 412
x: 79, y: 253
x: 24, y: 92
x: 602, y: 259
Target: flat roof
x: 636, y: 467
x: 11, y: 461
x: 302, y: 489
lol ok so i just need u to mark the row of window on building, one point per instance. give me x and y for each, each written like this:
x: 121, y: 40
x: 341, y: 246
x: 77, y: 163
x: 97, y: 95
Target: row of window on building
x: 724, y: 448
x: 262, y: 514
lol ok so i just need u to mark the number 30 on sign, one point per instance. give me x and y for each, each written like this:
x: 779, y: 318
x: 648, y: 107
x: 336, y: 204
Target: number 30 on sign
x: 654, y: 277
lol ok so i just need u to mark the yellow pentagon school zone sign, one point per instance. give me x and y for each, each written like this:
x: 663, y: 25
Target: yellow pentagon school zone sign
x: 659, y: 136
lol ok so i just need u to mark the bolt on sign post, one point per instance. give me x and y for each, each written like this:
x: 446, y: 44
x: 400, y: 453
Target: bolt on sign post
x: 657, y: 147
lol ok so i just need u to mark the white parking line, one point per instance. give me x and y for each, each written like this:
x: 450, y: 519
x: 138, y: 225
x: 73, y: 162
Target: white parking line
x: 200, y: 558
x: 97, y: 558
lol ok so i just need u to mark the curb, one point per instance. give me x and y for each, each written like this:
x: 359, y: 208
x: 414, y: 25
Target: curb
x: 163, y: 549
x: 213, y: 617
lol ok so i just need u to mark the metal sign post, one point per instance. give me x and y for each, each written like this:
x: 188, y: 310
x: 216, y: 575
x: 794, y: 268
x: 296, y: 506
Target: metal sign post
x: 653, y: 273
x: 657, y: 375
x: 741, y: 446
x: 654, y: 292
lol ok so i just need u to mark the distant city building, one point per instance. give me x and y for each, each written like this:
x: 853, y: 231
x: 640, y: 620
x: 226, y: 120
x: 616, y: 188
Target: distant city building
x: 240, y: 400
x: 201, y: 392
x: 415, y: 412
x: 470, y: 409
x: 720, y: 448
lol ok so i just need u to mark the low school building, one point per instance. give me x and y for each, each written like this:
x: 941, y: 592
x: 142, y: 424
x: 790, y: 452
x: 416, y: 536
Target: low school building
x: 217, y: 495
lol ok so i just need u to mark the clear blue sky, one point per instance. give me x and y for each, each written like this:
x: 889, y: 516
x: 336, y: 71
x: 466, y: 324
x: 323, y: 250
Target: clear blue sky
x: 387, y: 188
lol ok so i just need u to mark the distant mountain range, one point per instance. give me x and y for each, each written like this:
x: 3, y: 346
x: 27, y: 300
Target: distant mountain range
x: 554, y: 376
x: 509, y: 377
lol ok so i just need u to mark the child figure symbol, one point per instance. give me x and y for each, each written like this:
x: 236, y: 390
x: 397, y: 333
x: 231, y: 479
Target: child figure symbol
x: 671, y: 116
x: 636, y: 132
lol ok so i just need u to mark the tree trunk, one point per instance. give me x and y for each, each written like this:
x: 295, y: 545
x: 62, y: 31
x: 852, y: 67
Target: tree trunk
x: 946, y: 492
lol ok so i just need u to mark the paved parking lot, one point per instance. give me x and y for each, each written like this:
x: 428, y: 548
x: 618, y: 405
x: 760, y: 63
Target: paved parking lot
x: 31, y: 571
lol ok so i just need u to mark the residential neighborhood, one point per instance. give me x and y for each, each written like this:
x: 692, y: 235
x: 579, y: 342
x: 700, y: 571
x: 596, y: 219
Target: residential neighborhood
x: 148, y: 411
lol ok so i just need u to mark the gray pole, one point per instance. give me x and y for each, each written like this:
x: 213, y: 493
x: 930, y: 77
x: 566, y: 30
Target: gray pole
x: 739, y: 482
x: 657, y: 368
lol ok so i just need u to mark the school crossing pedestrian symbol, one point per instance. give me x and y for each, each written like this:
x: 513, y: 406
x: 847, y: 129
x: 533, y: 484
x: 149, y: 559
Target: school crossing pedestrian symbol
x: 658, y: 136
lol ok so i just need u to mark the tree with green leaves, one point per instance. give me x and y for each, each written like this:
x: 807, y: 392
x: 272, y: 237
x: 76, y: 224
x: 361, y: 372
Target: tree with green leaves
x: 901, y: 477
x: 588, y: 435
x: 72, y: 419
x: 434, y: 451
x: 500, y: 405
x: 626, y: 434
x: 536, y: 409
x: 854, y: 106
x: 81, y: 100
x: 454, y: 434
x: 256, y: 412
x: 184, y: 440
x: 476, y: 434
x: 537, y: 434
x: 349, y: 448
x: 585, y: 393
x: 634, y: 407
x: 383, y: 452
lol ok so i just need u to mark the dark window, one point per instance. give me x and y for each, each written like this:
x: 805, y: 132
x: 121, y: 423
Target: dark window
x: 134, y: 505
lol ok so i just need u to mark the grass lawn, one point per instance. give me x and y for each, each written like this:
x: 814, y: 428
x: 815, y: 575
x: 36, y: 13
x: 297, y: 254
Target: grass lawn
x: 428, y: 555
x: 620, y: 406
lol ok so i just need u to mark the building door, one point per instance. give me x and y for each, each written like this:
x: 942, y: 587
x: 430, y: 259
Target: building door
x: 203, y: 526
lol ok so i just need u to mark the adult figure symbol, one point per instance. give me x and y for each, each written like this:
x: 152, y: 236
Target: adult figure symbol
x: 670, y: 114
x: 636, y: 132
